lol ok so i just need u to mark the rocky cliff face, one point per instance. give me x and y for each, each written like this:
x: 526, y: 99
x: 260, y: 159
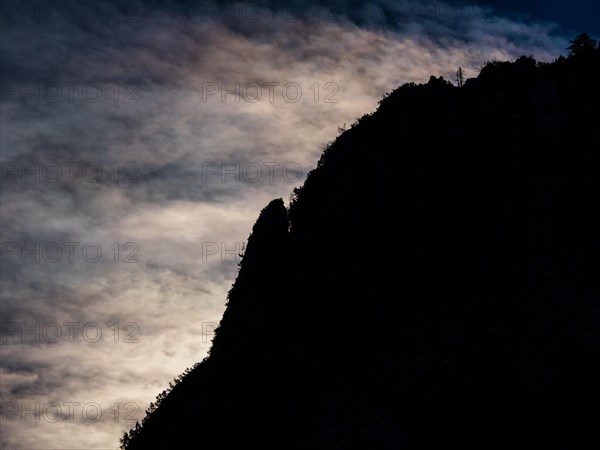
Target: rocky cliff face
x: 435, y: 282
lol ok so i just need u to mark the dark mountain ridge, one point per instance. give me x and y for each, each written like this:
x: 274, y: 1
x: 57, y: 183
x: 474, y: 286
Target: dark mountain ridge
x: 434, y: 282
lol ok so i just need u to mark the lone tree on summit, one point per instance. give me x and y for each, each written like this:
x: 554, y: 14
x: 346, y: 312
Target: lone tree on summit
x: 460, y: 77
x: 582, y: 45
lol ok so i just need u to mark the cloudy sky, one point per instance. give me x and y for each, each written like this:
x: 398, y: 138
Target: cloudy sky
x: 139, y: 141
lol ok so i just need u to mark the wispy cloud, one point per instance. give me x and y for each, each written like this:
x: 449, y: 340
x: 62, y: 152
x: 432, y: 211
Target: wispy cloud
x: 140, y: 97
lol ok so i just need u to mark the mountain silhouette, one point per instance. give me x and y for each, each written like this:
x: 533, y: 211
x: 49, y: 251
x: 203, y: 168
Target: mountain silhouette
x: 434, y: 282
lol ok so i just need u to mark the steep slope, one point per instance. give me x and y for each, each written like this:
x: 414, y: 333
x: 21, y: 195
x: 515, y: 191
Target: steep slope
x: 435, y: 282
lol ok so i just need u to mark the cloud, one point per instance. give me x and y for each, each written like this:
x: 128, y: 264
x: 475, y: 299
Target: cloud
x: 161, y: 157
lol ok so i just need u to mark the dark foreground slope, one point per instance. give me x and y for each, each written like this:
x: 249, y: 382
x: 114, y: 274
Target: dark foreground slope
x: 434, y: 284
